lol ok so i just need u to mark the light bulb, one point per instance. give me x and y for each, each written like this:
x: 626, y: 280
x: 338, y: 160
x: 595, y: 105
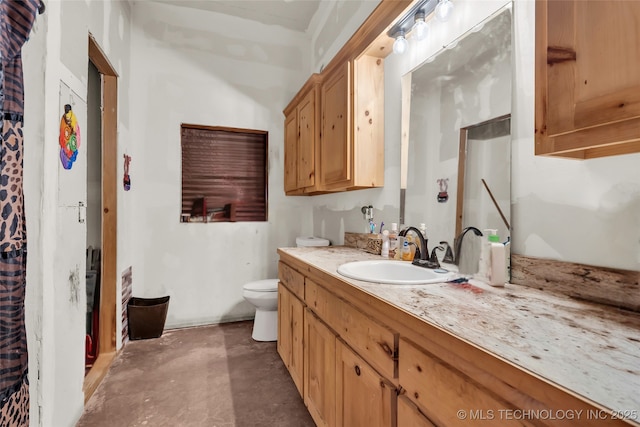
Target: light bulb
x: 400, y: 45
x: 444, y: 9
x: 421, y: 29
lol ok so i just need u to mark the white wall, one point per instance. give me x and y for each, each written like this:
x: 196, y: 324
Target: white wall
x: 579, y: 211
x: 575, y: 211
x: 333, y: 25
x: 56, y: 65
x: 198, y: 67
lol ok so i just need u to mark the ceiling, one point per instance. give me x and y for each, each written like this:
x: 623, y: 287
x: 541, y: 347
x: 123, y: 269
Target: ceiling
x: 292, y: 14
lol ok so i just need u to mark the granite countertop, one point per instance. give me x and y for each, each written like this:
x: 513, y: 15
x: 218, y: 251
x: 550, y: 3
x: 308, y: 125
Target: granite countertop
x: 590, y: 349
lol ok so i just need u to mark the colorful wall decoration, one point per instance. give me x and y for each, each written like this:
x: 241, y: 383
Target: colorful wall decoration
x: 69, y: 137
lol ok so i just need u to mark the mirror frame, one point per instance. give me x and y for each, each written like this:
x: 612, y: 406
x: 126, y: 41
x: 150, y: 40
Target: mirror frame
x: 462, y: 159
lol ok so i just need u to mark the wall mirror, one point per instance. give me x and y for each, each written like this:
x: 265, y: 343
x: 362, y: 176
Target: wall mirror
x: 455, y: 160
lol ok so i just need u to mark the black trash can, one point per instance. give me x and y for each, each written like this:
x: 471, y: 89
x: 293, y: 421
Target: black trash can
x: 146, y: 317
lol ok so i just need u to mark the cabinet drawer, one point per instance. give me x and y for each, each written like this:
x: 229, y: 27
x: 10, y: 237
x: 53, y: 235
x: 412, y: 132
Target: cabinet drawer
x: 374, y: 342
x: 293, y: 280
x: 441, y: 391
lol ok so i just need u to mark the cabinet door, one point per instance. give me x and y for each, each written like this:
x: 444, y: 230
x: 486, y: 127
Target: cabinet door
x: 296, y: 367
x: 410, y: 416
x: 588, y: 77
x: 290, y: 334
x: 290, y: 152
x: 284, y: 324
x: 364, y: 398
x: 336, y: 150
x: 307, y: 141
x: 319, y: 371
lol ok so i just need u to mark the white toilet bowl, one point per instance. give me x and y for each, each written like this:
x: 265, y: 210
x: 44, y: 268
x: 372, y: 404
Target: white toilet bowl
x: 263, y: 294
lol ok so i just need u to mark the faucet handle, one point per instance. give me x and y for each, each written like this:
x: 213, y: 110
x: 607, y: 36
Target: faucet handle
x: 434, y: 256
x: 448, y: 255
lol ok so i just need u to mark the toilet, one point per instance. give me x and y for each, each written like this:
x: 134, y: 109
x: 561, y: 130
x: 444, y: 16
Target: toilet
x: 263, y: 294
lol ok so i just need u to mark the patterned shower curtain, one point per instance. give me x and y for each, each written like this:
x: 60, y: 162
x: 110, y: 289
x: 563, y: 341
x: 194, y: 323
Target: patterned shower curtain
x: 16, y: 20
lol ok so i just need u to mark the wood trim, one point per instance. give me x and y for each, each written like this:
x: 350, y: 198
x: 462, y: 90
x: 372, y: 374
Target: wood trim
x: 523, y: 389
x: 108, y: 282
x: 541, y: 87
x: 223, y: 128
x: 612, y: 139
x: 380, y: 21
x: 93, y: 379
x: 462, y: 161
x: 99, y: 59
x: 108, y: 300
x: 309, y: 85
x: 610, y: 286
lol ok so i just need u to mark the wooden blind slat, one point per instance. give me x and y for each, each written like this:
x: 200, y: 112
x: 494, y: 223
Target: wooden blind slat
x: 225, y: 167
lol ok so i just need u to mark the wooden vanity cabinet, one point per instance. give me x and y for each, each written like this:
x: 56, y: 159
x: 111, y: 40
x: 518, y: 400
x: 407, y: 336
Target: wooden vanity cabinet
x: 587, y: 78
x: 302, y: 140
x: 348, y: 360
x: 319, y: 370
x: 291, y: 323
x: 352, y: 147
x: 364, y: 397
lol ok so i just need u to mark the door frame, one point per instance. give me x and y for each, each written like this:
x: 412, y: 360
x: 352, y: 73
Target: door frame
x: 108, y: 274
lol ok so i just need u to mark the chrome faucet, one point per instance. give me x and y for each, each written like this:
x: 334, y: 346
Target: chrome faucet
x: 458, y: 251
x: 422, y: 252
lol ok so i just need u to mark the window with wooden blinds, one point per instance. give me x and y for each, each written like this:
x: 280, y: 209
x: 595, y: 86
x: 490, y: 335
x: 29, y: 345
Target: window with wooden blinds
x: 224, y: 174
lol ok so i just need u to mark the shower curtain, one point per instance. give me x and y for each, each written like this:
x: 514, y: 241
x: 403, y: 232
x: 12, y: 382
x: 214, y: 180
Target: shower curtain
x: 16, y: 20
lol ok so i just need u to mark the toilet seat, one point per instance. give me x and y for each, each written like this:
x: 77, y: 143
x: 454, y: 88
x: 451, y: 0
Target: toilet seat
x: 268, y: 285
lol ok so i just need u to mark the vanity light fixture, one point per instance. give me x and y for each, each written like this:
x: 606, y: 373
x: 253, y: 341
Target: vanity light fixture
x: 401, y: 43
x: 414, y: 22
x: 444, y: 9
x: 420, y: 28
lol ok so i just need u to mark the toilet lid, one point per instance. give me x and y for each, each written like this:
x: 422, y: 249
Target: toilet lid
x: 269, y: 285
x: 311, y: 241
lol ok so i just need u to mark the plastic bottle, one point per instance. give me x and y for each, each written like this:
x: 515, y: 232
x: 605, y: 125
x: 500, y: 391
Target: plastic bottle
x: 497, y: 272
x: 406, y: 251
x: 484, y: 263
x: 399, y: 247
x: 393, y: 240
x: 385, y: 244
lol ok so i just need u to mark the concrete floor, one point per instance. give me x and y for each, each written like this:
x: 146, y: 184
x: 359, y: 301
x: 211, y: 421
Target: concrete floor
x: 209, y: 376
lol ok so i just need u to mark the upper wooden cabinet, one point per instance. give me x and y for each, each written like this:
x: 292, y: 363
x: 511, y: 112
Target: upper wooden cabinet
x: 348, y: 137
x: 301, y: 139
x: 587, y: 78
x: 352, y: 137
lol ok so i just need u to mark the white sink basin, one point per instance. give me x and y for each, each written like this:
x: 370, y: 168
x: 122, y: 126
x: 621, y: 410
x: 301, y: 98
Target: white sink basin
x: 392, y: 272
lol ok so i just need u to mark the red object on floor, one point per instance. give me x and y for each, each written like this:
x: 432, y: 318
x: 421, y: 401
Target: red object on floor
x: 89, y: 352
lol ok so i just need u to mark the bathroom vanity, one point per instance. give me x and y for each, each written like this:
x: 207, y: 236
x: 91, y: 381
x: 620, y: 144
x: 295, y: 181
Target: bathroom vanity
x: 446, y: 354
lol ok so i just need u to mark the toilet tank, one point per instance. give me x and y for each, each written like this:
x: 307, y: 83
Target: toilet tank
x: 303, y: 242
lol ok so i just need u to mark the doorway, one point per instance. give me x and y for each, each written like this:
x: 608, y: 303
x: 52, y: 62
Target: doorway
x: 94, y: 213
x: 106, y: 287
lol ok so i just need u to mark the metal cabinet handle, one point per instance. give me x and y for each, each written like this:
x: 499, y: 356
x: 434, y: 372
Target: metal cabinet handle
x: 357, y: 370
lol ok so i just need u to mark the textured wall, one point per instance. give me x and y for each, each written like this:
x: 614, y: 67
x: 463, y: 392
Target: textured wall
x: 56, y: 65
x: 205, y: 68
